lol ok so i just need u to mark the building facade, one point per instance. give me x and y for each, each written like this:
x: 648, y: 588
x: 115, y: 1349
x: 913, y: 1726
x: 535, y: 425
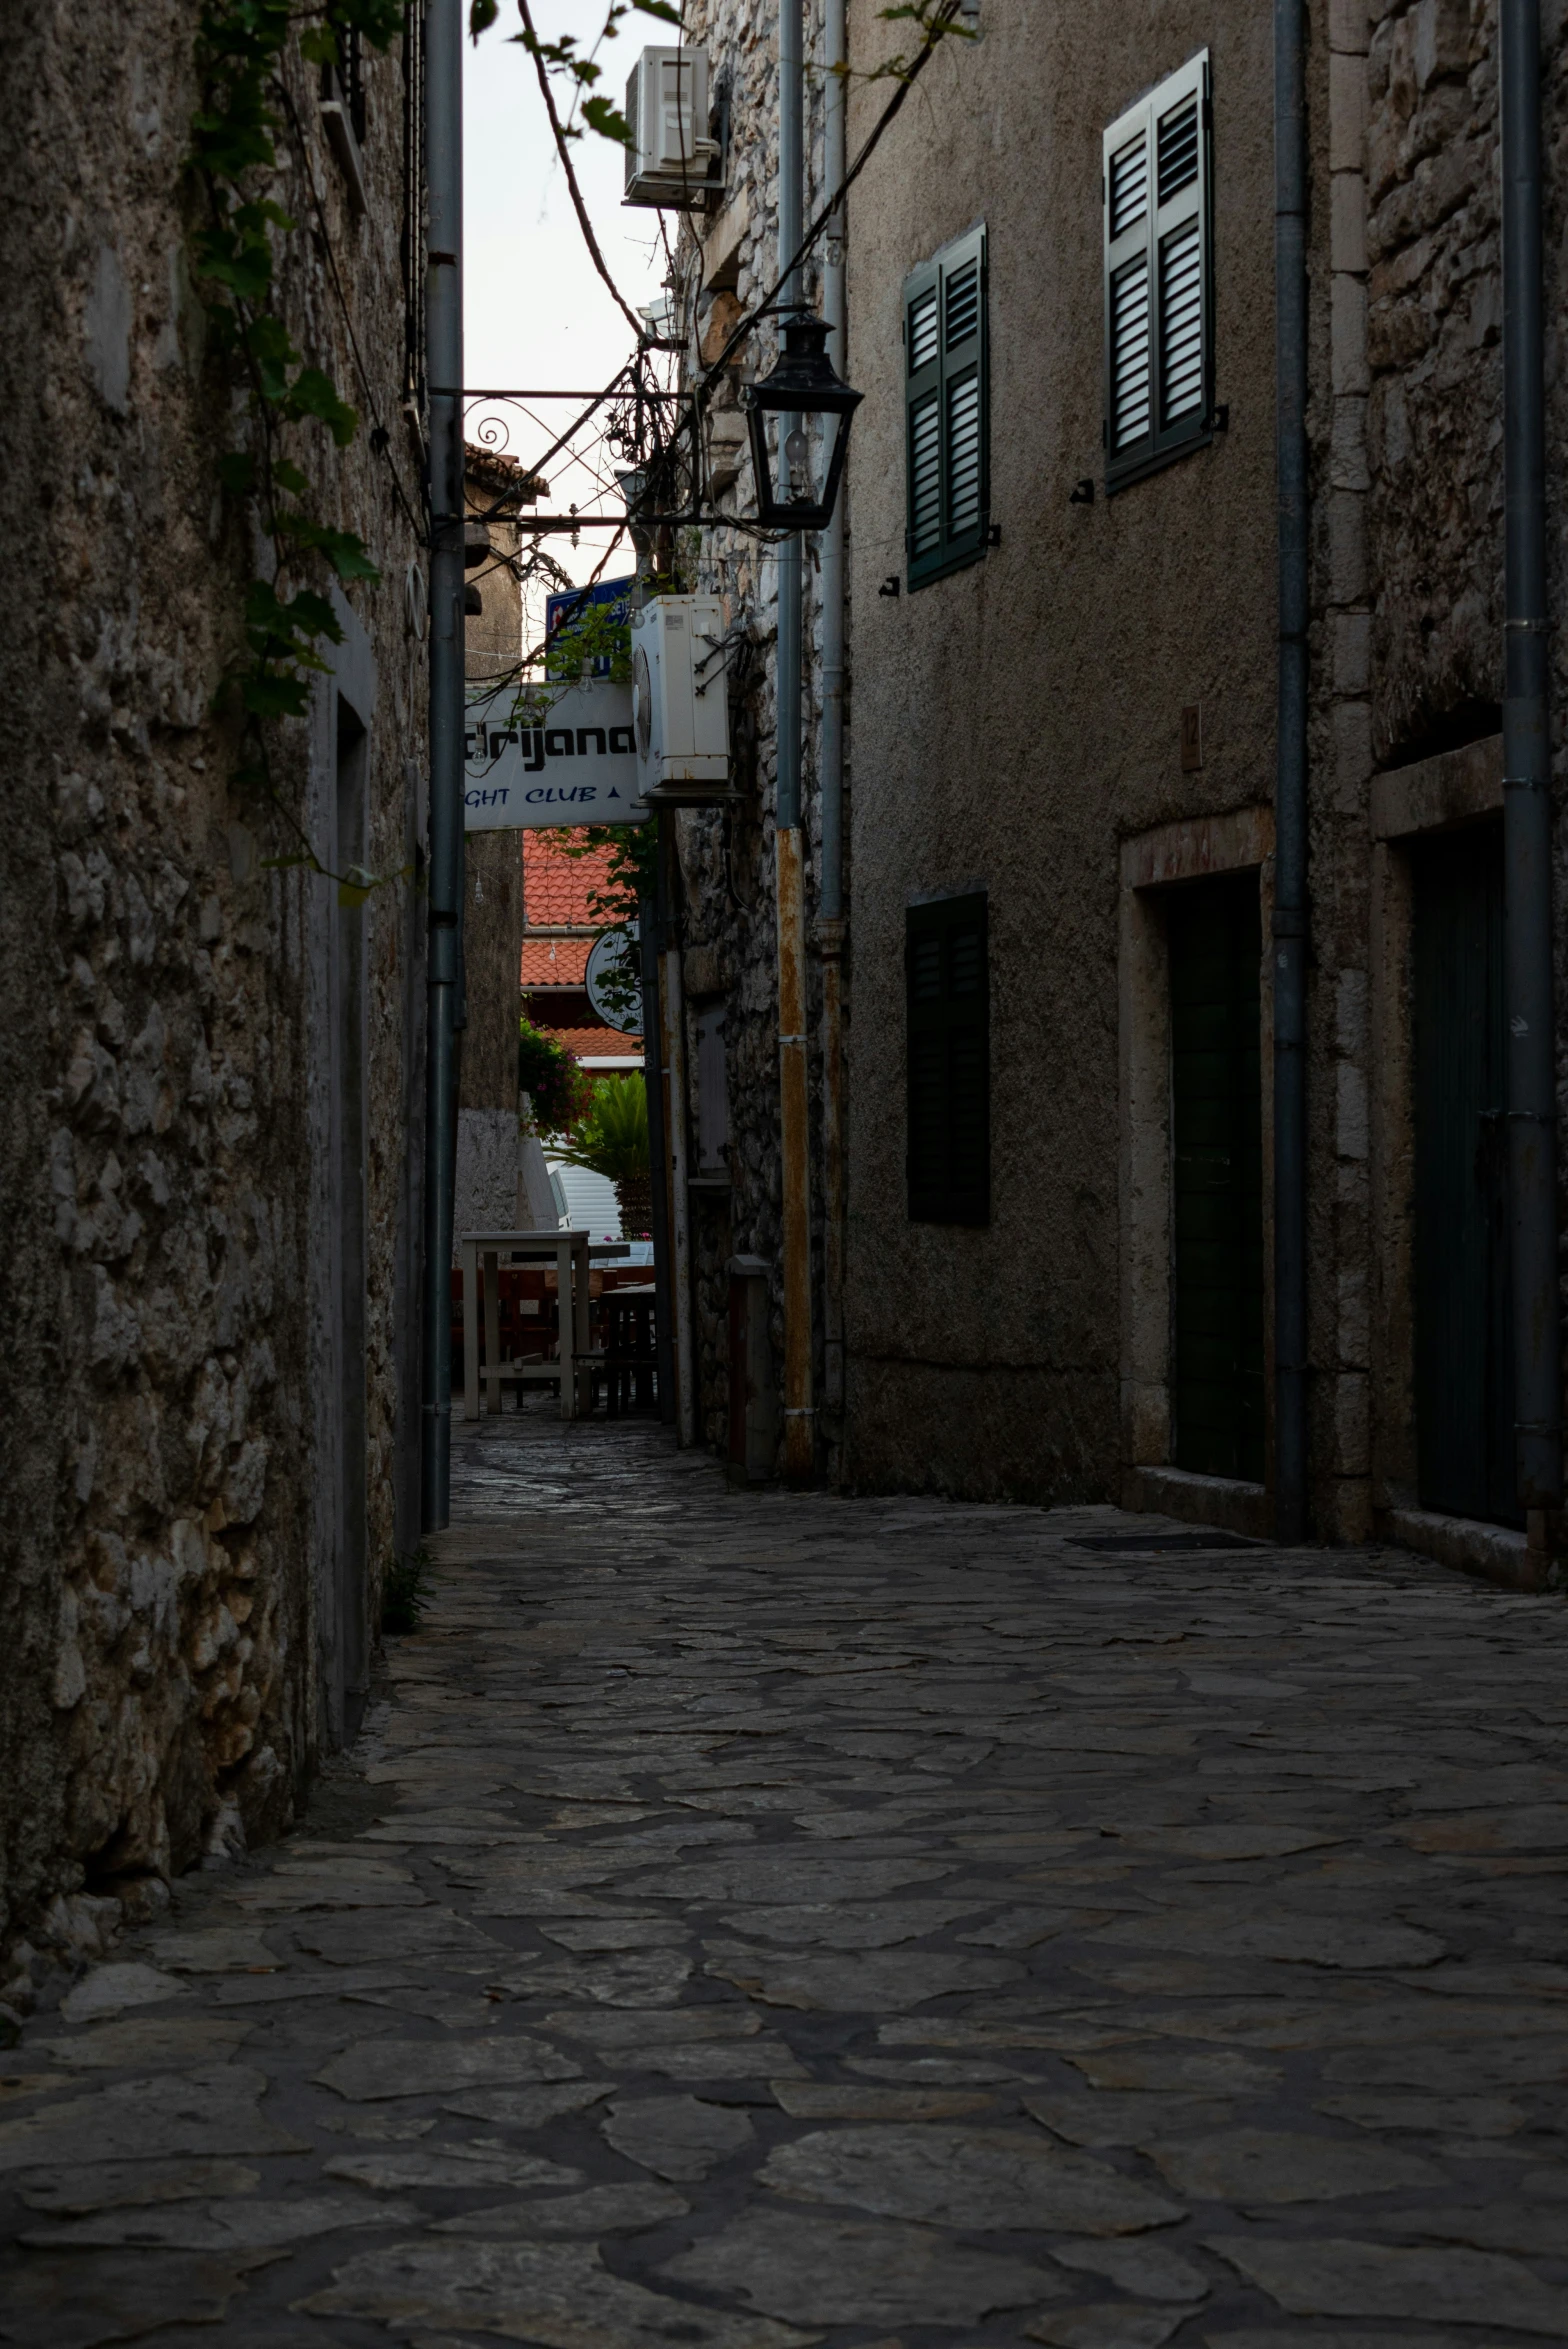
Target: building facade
x: 1063, y: 577
x: 212, y: 942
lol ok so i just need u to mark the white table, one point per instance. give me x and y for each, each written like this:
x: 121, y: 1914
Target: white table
x: 572, y: 1252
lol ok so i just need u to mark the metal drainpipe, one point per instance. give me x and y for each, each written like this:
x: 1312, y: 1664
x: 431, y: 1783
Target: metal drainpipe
x: 1527, y: 781
x: 652, y: 913
x: 649, y: 931
x: 1289, y: 941
x: 444, y: 358
x: 680, y: 1190
x: 830, y: 902
x: 789, y: 846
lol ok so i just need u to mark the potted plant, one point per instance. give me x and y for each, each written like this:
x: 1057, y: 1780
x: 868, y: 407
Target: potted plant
x: 611, y: 1139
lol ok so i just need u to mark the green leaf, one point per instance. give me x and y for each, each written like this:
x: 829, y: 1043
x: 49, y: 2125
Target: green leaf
x: 481, y: 16
x: 318, y: 45
x: 237, y: 473
x: 314, y: 394
x: 270, y: 696
x: 342, y: 548
x: 311, y: 612
x: 600, y: 115
x: 289, y: 477
x: 241, y: 262
x: 271, y: 353
x: 659, y: 8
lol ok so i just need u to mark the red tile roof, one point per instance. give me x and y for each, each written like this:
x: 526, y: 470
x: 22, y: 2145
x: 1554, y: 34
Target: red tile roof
x: 556, y: 887
x: 597, y: 1043
x: 555, y: 962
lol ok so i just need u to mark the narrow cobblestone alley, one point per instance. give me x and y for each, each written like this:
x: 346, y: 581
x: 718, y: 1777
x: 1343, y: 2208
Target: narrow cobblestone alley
x: 758, y: 1919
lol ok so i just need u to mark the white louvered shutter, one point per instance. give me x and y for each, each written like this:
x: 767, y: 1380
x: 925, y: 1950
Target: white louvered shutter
x: 1159, y: 330
x: 923, y: 408
x: 946, y: 407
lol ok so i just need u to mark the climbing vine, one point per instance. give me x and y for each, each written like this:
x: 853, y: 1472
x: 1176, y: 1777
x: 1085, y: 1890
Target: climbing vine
x: 288, y: 620
x: 240, y: 45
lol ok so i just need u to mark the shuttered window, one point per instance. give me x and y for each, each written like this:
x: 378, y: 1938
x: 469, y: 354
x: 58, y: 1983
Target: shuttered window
x: 948, y: 991
x: 1159, y: 294
x: 945, y: 393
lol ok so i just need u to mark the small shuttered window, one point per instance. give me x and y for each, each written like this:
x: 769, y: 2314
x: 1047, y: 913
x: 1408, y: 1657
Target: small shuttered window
x: 1159, y: 293
x: 948, y: 992
x: 945, y: 395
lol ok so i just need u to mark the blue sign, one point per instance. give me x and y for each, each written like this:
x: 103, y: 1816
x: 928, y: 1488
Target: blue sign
x: 612, y: 596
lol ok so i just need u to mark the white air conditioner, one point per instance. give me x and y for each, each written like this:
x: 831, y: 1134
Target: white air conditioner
x: 680, y: 702
x: 671, y: 160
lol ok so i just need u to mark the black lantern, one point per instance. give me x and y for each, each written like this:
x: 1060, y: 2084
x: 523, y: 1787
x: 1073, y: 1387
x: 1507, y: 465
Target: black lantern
x: 803, y: 385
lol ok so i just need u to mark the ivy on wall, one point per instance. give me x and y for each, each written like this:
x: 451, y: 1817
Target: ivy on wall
x: 240, y: 45
x: 288, y: 620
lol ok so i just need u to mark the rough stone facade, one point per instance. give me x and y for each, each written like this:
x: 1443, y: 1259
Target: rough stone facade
x: 722, y: 870
x: 1433, y: 459
x: 209, y: 1063
x: 1017, y: 725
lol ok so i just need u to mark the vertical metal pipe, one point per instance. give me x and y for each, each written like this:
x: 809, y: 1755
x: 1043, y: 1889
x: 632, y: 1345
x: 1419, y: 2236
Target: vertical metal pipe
x: 830, y: 894
x: 794, y: 1142
x: 649, y: 936
x: 789, y: 843
x: 1289, y: 929
x: 787, y: 553
x: 1527, y: 777
x: 680, y: 1183
x: 444, y: 355
x: 830, y: 903
x: 1289, y: 941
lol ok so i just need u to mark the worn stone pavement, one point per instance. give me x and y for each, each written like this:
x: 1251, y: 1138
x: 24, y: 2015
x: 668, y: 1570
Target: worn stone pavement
x: 752, y: 1920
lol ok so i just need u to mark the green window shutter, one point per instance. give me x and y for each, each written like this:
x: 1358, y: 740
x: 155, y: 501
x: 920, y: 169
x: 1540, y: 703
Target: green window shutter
x: 948, y: 992
x: 1156, y: 193
x: 946, y: 404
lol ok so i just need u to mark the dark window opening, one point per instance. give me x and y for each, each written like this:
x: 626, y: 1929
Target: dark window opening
x: 947, y: 986
x: 1463, y: 1318
x: 1214, y: 931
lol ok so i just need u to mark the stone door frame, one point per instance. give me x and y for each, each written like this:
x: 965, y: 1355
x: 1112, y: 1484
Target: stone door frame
x: 1196, y: 848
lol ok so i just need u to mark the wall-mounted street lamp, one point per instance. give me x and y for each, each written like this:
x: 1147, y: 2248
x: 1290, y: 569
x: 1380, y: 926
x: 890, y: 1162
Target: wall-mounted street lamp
x: 802, y: 385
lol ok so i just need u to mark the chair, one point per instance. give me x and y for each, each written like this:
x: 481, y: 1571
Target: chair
x: 630, y: 1351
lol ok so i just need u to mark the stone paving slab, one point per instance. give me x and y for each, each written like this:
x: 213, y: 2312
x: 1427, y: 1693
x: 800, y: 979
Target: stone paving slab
x: 759, y: 1920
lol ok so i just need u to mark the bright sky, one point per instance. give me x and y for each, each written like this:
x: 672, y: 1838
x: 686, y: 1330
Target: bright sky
x: 537, y: 315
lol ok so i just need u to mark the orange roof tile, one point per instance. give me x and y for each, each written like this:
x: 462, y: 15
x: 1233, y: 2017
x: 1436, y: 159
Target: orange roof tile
x: 555, y: 962
x: 597, y: 1043
x: 556, y: 887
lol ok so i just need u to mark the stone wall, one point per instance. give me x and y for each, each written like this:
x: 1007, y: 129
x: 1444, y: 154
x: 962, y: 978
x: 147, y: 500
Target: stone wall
x: 1434, y: 318
x: 204, y: 1054
x: 723, y: 866
x: 1017, y: 724
x: 1429, y: 659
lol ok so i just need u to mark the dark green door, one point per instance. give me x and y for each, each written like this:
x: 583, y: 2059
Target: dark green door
x: 1464, y: 1383
x: 1217, y: 1186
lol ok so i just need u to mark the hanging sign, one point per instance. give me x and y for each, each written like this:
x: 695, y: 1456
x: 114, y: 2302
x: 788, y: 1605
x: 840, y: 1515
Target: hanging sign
x: 612, y: 597
x: 578, y: 765
x: 613, y: 979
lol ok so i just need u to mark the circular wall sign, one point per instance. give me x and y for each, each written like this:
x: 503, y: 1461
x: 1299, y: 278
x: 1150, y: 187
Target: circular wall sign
x: 614, y: 981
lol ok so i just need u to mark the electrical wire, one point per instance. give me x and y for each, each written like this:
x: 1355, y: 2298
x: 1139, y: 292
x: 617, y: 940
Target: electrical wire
x: 581, y: 209
x: 380, y: 438
x: 702, y: 391
x: 934, y: 33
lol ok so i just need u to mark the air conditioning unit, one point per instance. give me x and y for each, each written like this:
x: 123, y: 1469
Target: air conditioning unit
x: 671, y: 161
x: 680, y: 703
